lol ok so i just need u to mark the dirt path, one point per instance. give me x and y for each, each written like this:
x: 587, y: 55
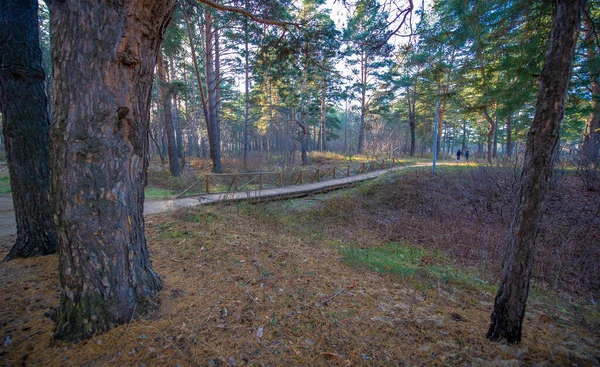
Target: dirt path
x: 8, y: 225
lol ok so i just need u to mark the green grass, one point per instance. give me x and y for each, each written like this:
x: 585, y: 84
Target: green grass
x: 151, y: 192
x: 5, y: 185
x: 156, y: 193
x: 405, y: 260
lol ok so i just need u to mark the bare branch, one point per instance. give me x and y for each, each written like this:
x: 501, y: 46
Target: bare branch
x: 244, y: 12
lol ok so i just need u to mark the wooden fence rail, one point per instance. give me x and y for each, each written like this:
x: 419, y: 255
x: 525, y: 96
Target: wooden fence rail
x: 228, y: 182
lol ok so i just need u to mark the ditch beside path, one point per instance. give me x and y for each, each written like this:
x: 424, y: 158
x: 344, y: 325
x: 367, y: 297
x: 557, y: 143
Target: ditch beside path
x: 8, y: 225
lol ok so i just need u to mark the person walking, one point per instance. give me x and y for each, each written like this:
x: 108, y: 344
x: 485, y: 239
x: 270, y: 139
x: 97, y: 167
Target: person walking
x: 458, y: 155
x: 467, y: 155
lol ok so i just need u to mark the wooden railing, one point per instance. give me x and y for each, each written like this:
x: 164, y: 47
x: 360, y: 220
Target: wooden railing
x: 231, y: 182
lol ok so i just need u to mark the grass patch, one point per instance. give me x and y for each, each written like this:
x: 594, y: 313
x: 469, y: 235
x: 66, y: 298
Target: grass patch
x: 405, y: 260
x: 5, y: 185
x: 157, y: 193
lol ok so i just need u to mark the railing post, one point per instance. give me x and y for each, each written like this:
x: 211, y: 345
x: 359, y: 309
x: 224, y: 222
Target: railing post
x: 334, y: 173
x: 348, y: 174
x: 280, y: 179
x: 362, y: 167
x: 318, y: 174
x: 260, y: 181
x: 235, y: 178
x: 206, y: 186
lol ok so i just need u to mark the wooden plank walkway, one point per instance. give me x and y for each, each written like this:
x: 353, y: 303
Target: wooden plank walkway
x: 151, y: 207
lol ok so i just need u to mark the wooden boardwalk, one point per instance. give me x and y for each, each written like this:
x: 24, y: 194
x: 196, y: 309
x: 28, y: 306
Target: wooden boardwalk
x: 285, y: 192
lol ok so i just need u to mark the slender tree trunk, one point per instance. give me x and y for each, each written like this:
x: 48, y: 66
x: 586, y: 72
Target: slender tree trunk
x: 192, y: 121
x: 591, y: 136
x: 25, y: 128
x: 303, y: 139
x: 211, y: 87
x: 99, y: 157
x: 217, y: 85
x: 202, y: 150
x: 464, y: 136
x: 490, y: 134
x: 444, y: 100
x: 269, y: 137
x: 177, y: 125
x: 167, y: 117
x: 246, y: 88
x: 363, y: 103
x: 542, y: 140
x: 322, y: 134
x: 509, y: 136
x: 412, y: 123
x: 495, y: 144
x: 158, y: 150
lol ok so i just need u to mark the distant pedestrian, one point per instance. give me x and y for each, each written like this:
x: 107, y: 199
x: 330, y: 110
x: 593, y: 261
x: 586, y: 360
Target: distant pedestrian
x: 467, y: 155
x: 458, y: 155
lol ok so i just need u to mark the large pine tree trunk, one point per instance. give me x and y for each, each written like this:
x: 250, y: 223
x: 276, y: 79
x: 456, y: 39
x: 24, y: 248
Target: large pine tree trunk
x: 24, y: 105
x: 99, y: 157
x: 509, y: 307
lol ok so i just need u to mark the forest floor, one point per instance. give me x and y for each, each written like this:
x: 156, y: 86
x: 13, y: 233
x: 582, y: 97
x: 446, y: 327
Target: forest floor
x: 396, y: 272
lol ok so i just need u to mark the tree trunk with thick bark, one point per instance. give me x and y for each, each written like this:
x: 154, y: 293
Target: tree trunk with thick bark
x: 509, y: 306
x: 26, y: 127
x: 99, y: 157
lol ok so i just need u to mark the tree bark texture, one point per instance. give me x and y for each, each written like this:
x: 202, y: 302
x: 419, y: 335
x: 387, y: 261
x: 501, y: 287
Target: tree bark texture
x: 542, y: 139
x: 26, y: 127
x: 103, y: 56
